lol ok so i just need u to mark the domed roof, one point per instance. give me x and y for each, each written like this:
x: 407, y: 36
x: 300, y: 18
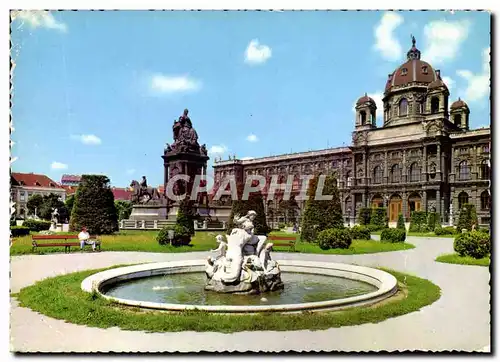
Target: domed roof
x: 365, y: 99
x: 413, y: 70
x: 437, y: 83
x: 459, y: 104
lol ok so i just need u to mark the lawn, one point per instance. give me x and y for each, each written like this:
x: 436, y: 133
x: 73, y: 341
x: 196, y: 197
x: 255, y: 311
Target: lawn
x: 422, y: 235
x: 357, y: 247
x: 136, y: 240
x: 464, y: 260
x: 129, y: 240
x: 62, y: 298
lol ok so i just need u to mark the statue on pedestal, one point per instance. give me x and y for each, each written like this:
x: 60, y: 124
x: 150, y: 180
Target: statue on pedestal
x: 185, y: 137
x: 246, y: 266
x: 142, y: 193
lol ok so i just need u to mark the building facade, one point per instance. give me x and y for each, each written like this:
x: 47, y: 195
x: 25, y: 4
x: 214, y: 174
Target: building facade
x: 24, y: 185
x: 423, y: 157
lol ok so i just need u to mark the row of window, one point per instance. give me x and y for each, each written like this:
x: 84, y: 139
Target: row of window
x: 403, y: 107
x: 463, y: 198
x: 415, y: 172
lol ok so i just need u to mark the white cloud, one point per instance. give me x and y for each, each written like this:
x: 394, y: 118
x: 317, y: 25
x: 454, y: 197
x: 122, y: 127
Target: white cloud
x: 39, y: 18
x: 478, y: 85
x: 257, y: 53
x: 217, y: 150
x: 449, y: 82
x: 252, y: 138
x: 174, y: 83
x: 87, y: 139
x: 386, y: 42
x: 247, y: 158
x: 130, y: 171
x: 58, y: 166
x: 444, y: 39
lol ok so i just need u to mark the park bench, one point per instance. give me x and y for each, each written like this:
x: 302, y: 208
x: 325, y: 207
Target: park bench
x: 35, y: 241
x: 279, y: 240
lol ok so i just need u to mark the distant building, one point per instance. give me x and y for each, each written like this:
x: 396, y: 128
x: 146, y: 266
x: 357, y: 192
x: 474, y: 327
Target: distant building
x: 70, y: 180
x: 121, y: 193
x: 423, y: 158
x: 24, y: 185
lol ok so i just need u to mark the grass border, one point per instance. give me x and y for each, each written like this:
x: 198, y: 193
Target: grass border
x: 454, y: 258
x: 61, y: 297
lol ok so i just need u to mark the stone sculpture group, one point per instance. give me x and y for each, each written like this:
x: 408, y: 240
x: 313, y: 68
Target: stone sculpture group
x: 244, y: 263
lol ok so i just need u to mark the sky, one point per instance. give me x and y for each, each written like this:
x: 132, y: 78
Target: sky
x: 97, y: 92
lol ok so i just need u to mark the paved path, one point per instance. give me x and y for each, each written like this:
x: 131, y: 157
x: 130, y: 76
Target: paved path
x: 459, y: 320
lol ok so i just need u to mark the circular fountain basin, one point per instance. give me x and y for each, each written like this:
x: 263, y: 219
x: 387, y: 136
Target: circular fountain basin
x: 309, y: 285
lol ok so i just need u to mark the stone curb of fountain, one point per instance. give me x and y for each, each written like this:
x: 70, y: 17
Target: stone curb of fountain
x: 385, y: 283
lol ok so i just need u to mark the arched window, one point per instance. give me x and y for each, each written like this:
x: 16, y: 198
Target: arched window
x: 403, y: 107
x: 349, y: 179
x: 395, y: 174
x: 457, y: 120
x: 485, y: 170
x: 485, y: 200
x: 434, y: 105
x: 414, y: 172
x: 362, y: 116
x: 463, y: 199
x: 377, y: 175
x: 463, y: 171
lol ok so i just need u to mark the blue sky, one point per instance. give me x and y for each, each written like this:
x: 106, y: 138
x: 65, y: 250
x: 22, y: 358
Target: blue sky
x: 97, y: 92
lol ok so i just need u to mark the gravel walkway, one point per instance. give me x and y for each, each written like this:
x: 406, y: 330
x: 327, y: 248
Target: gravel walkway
x: 459, y: 320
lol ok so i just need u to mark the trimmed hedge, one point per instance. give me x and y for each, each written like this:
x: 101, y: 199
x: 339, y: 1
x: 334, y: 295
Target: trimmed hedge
x: 418, y: 222
x: 334, y: 239
x: 401, y: 222
x: 475, y: 244
x: 360, y: 233
x: 19, y: 231
x: 365, y: 214
x: 36, y: 225
x: 391, y: 235
x: 182, y: 235
x: 433, y: 219
x: 448, y: 230
x: 467, y: 217
x: 378, y: 217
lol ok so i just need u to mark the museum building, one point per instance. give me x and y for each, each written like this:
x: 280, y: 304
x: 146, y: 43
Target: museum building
x: 423, y: 157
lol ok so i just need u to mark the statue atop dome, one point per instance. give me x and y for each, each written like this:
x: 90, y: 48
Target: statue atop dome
x: 413, y: 53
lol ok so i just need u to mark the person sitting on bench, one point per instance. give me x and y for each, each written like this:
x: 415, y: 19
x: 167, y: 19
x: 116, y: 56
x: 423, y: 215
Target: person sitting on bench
x: 84, y: 238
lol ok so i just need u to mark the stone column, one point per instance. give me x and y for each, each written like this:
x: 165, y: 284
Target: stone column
x: 363, y: 199
x: 452, y: 169
x: 424, y: 200
x: 353, y: 208
x: 438, y: 202
x: 404, y: 197
x: 439, y: 166
x: 365, y: 171
x: 403, y: 169
x: 386, y: 171
x: 424, y: 169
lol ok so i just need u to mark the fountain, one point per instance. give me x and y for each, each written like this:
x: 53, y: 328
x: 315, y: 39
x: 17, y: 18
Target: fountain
x: 244, y: 264
x: 242, y: 278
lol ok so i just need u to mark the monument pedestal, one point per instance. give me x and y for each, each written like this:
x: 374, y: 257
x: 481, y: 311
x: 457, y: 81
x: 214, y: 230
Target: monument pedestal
x: 148, y: 212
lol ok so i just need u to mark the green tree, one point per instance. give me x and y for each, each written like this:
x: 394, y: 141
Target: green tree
x: 186, y: 214
x: 94, y: 206
x: 49, y: 203
x: 123, y: 209
x: 70, y: 201
x: 320, y: 215
x: 240, y: 207
x: 401, y: 222
x: 467, y: 217
x: 34, y: 202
